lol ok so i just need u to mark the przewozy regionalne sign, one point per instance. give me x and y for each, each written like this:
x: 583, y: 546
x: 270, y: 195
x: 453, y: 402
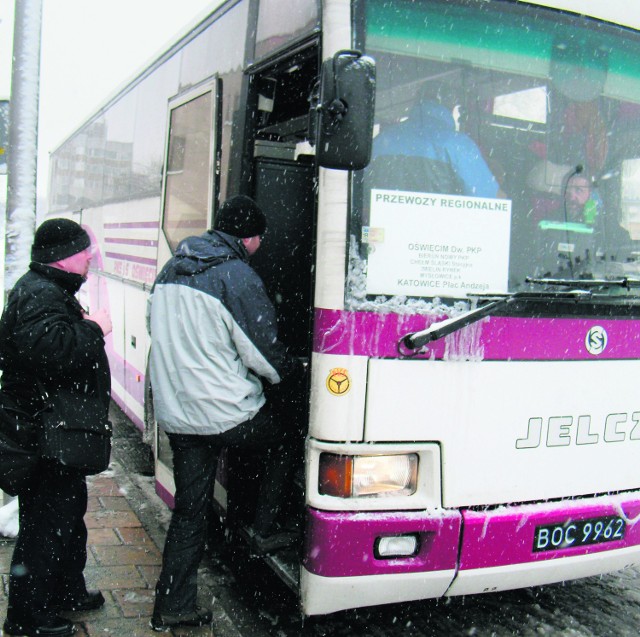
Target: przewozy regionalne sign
x: 423, y: 244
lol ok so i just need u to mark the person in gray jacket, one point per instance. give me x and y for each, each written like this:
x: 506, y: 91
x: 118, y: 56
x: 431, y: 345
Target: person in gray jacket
x: 214, y: 344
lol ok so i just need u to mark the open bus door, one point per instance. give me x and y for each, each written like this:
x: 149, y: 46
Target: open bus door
x: 284, y: 178
x: 285, y: 192
x: 284, y: 185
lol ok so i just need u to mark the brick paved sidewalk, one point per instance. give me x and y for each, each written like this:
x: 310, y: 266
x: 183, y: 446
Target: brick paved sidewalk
x: 123, y: 562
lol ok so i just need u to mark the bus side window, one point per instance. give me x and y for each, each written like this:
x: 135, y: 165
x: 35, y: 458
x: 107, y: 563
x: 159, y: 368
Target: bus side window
x: 189, y: 183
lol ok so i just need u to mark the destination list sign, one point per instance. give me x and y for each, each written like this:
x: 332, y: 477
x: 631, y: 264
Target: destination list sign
x: 423, y: 244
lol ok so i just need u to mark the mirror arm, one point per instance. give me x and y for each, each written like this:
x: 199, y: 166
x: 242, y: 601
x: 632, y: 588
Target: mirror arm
x: 337, y: 109
x: 341, y: 113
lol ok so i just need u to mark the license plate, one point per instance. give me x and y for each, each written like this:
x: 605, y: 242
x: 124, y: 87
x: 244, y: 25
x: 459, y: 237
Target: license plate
x: 555, y: 537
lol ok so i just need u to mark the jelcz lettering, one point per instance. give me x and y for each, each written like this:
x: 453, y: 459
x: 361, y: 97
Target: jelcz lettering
x: 565, y: 431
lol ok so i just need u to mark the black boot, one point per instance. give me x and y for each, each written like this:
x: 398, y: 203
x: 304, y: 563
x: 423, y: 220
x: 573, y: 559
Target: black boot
x: 92, y: 600
x: 47, y: 626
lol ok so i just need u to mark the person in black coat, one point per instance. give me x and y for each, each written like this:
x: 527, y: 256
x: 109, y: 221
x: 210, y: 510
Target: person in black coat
x: 48, y: 342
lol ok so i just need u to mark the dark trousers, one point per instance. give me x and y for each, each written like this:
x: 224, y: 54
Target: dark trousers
x: 195, y: 460
x: 51, y: 548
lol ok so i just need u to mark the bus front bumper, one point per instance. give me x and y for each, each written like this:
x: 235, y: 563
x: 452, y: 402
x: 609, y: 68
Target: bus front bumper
x: 463, y: 552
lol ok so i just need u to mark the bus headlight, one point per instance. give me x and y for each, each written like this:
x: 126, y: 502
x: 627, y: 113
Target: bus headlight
x: 345, y: 476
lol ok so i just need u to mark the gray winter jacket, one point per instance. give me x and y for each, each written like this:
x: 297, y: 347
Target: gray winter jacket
x: 213, y: 338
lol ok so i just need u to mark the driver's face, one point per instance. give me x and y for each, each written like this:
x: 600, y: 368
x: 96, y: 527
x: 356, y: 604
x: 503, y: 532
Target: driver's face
x: 578, y: 193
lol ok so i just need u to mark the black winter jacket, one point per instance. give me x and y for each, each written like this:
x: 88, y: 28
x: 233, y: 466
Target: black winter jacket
x: 46, y: 344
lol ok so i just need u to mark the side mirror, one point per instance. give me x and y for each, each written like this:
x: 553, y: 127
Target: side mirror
x: 344, y: 111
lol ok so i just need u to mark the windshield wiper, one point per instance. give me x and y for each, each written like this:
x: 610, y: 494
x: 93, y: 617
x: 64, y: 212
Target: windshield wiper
x: 582, y: 289
x: 623, y: 282
x: 416, y: 340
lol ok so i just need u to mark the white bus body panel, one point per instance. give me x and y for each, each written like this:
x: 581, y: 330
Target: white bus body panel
x: 338, y: 417
x: 123, y: 272
x: 336, y: 34
x: 331, y: 236
x: 513, y: 431
x: 323, y: 595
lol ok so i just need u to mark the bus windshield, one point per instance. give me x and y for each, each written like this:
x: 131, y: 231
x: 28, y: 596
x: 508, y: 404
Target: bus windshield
x: 506, y: 147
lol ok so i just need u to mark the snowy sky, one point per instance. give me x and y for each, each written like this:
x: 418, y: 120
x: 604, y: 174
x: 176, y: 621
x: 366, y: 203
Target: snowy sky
x: 89, y: 49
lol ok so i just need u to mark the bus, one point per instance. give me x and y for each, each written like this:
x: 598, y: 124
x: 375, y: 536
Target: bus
x: 453, y: 196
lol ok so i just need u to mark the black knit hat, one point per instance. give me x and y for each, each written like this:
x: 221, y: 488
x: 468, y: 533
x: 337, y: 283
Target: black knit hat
x: 241, y: 217
x: 57, y: 239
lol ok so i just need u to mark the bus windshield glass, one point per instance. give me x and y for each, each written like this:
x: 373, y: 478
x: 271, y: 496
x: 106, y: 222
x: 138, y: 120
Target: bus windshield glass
x: 506, y: 147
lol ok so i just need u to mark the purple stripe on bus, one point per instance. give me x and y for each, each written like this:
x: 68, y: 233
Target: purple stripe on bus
x: 496, y: 338
x: 129, y: 257
x: 136, y: 390
x: 506, y: 537
x: 151, y: 243
x: 116, y: 363
x: 363, y: 333
x: 341, y: 544
x: 165, y: 495
x: 128, y: 412
x: 132, y: 225
x: 133, y: 382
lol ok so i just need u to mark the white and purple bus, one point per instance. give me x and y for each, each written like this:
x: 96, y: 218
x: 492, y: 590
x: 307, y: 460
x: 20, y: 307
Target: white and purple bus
x: 453, y: 194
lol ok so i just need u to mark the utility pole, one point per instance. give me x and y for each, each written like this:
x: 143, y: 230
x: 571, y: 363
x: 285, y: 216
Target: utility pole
x: 23, y: 139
